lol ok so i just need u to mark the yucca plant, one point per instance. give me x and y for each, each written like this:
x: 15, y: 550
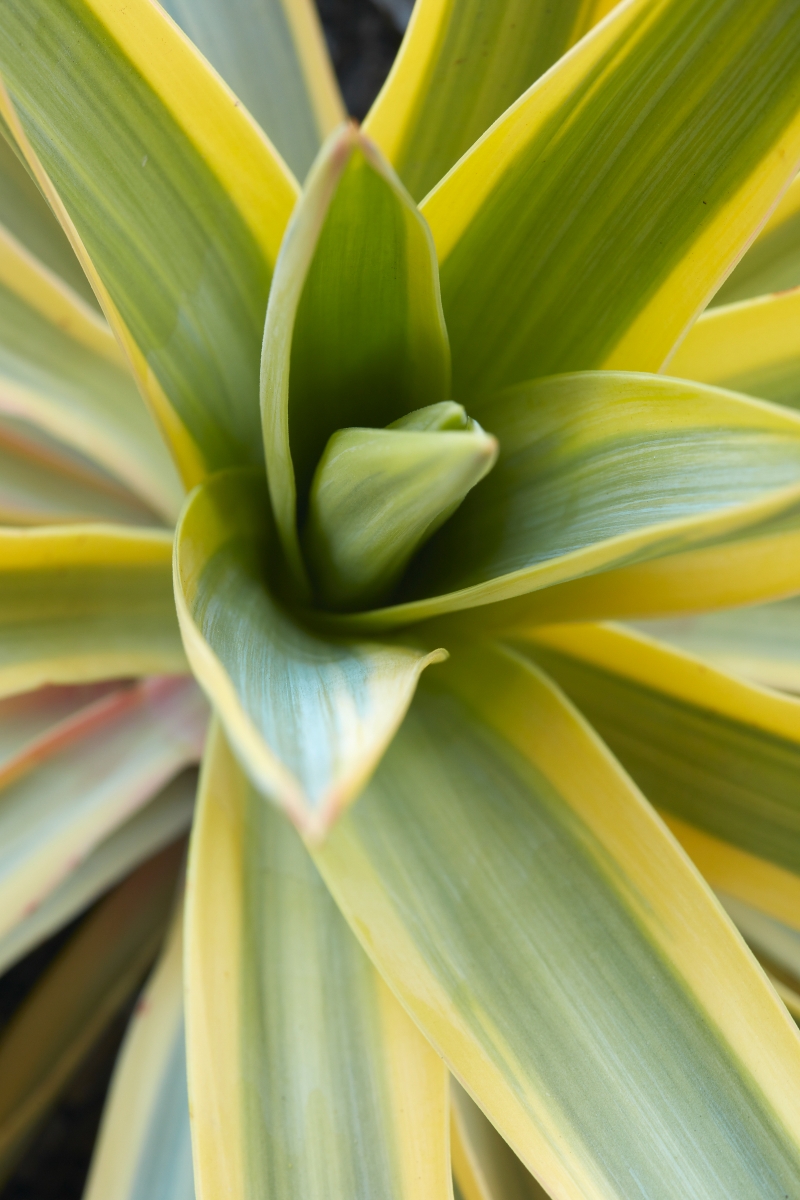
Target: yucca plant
x: 422, y: 411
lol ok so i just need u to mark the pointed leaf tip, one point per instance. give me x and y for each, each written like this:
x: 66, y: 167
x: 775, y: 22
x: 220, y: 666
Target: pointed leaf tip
x: 378, y: 494
x: 354, y: 334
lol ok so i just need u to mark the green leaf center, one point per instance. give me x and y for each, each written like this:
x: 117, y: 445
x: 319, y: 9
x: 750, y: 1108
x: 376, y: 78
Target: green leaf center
x: 378, y: 494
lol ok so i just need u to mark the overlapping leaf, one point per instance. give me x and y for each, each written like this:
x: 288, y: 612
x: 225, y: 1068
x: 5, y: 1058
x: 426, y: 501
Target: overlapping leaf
x: 44, y: 483
x: 599, y: 215
x: 535, y: 917
x: 460, y: 66
x: 174, y: 200
x: 599, y: 471
x: 354, y: 333
x: 308, y: 715
x: 718, y: 756
x: 273, y: 55
x: 306, y: 1078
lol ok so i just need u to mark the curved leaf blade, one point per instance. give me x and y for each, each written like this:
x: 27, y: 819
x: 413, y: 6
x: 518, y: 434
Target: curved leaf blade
x: 354, y: 332
x: 294, y: 1096
x: 497, y: 847
x: 718, y: 756
x: 599, y: 471
x: 638, y: 170
x: 459, y: 67
x: 309, y: 716
x: 273, y: 56
x: 85, y: 602
x: 173, y: 199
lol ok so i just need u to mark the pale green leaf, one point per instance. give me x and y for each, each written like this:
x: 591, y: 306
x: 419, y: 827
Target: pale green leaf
x: 272, y: 53
x: 306, y: 1078
x: 599, y: 471
x: 595, y: 220
x: 85, y: 602
x: 308, y: 715
x: 173, y: 198
x: 152, y: 828
x: 70, y: 787
x: 77, y: 996
x: 772, y: 264
x: 460, y: 66
x: 378, y: 494
x: 144, y: 1146
x: 354, y: 332
x: 533, y: 914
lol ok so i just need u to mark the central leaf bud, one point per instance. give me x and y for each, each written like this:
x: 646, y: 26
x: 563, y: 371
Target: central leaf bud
x: 378, y: 494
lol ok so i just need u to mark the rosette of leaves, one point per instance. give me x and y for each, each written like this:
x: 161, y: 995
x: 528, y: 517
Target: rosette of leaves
x: 436, y: 446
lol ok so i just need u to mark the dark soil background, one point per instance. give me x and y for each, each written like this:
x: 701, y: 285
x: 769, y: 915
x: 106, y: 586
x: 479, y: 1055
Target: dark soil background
x: 363, y: 38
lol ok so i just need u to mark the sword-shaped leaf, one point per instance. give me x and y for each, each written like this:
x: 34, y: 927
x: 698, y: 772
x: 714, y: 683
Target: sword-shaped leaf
x: 354, y: 332
x: 596, y: 219
x: 172, y: 197
x: 460, y: 66
x: 85, y: 602
x: 599, y: 471
x: 533, y: 914
x: 144, y: 1147
x: 274, y: 57
x: 306, y: 1078
x: 309, y: 715
x: 719, y: 757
